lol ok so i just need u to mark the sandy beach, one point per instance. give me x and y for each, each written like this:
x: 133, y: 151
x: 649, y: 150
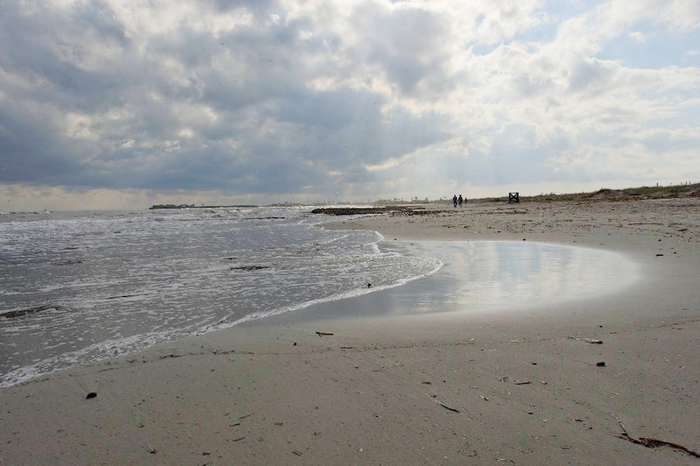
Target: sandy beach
x: 573, y: 382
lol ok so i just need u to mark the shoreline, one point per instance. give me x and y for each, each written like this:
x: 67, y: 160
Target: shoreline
x: 514, y: 387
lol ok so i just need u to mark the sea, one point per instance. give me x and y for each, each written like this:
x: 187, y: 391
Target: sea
x: 78, y: 287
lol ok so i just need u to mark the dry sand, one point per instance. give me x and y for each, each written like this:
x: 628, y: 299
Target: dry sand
x: 513, y: 387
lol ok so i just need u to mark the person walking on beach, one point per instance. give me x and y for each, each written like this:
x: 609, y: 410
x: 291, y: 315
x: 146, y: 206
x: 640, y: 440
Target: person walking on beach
x: 454, y: 200
x: 460, y: 200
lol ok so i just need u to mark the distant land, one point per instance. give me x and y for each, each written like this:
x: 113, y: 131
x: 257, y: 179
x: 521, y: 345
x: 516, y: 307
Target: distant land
x: 645, y: 192
x: 627, y: 194
x: 193, y: 206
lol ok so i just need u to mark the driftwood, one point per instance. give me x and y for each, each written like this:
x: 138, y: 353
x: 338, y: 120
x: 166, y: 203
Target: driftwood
x: 652, y: 442
x: 448, y: 408
x: 324, y: 334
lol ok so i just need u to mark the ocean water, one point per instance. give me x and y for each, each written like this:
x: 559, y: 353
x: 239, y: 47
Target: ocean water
x: 77, y: 287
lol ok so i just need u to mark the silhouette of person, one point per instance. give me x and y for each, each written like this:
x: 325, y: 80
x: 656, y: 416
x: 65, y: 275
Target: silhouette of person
x: 454, y: 200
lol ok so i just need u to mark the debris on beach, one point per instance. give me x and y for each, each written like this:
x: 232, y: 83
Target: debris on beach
x: 593, y: 341
x: 324, y: 334
x: 652, y: 442
x: 600, y: 364
x: 91, y: 395
x: 515, y: 382
x: 447, y: 407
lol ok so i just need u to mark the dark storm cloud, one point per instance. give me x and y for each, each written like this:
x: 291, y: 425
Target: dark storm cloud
x: 46, y: 48
x: 31, y: 148
x: 272, y: 132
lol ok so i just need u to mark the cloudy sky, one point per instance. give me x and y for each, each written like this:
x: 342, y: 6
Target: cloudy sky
x: 125, y: 103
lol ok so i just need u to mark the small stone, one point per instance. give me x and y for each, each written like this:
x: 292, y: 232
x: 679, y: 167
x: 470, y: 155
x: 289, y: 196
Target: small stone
x: 91, y: 395
x: 600, y: 364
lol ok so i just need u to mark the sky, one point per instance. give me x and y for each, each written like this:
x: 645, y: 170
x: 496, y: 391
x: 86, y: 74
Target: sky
x: 121, y: 104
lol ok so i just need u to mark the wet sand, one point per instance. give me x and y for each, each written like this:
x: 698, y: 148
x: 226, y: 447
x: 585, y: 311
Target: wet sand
x: 513, y: 385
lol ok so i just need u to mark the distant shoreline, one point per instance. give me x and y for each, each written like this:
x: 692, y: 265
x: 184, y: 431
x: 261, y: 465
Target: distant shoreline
x: 384, y: 205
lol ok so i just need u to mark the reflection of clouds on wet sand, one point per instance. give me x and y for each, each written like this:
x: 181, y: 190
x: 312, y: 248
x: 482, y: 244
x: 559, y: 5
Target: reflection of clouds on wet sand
x: 487, y: 275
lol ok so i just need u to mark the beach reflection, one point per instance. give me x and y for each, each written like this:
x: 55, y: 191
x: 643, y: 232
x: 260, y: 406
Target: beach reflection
x: 490, y: 275
x: 486, y: 276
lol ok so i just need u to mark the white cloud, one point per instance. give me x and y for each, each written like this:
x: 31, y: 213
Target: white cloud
x: 638, y: 36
